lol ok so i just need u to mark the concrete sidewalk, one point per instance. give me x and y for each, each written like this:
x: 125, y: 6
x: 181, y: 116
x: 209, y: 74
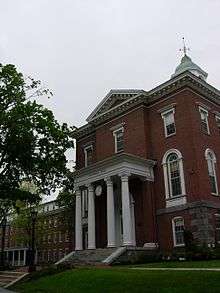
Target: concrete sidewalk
x: 177, y: 269
x: 2, y: 290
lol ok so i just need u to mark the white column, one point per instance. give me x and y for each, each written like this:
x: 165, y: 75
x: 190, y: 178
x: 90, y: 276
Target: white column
x: 78, y: 221
x: 25, y: 251
x: 126, y: 211
x: 19, y: 257
x: 13, y: 258
x: 110, y: 213
x: 91, y: 218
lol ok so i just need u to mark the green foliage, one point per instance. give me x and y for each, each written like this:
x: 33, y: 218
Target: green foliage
x: 32, y: 142
x: 21, y: 224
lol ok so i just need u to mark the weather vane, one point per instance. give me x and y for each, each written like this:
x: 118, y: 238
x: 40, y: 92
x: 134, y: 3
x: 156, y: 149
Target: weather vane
x: 184, y: 49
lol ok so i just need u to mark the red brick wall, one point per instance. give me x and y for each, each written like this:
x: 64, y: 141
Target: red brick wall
x: 135, y: 141
x: 134, y: 131
x: 144, y: 136
x: 189, y: 140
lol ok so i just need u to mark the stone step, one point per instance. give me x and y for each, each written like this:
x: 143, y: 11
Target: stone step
x: 90, y: 257
x: 10, y: 277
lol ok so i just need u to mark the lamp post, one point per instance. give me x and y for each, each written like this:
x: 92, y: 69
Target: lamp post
x: 3, y: 224
x: 33, y: 218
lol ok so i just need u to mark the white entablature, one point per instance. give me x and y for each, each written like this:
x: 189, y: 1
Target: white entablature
x: 117, y: 164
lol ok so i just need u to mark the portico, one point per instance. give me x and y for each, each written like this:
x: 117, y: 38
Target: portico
x: 110, y: 178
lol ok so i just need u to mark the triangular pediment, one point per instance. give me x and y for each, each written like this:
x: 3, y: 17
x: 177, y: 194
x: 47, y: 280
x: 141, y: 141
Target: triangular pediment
x: 111, y: 100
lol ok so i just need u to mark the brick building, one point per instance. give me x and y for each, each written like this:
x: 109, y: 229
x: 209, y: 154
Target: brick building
x: 54, y: 235
x: 148, y: 165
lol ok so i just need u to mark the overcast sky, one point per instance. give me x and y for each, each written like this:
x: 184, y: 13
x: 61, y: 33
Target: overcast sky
x: 82, y: 49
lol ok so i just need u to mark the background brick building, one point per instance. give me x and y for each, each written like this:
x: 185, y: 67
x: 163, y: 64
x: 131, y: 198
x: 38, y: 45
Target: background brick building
x: 54, y: 236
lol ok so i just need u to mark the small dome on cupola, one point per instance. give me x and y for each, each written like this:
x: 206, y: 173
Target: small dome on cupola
x: 187, y: 65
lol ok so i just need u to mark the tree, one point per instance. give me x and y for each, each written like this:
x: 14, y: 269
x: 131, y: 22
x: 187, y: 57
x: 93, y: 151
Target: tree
x: 66, y: 200
x: 32, y: 142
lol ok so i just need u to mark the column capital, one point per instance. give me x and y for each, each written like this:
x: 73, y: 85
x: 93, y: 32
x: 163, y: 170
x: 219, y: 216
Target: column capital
x: 124, y: 176
x: 90, y: 187
x: 78, y: 192
x: 108, y: 180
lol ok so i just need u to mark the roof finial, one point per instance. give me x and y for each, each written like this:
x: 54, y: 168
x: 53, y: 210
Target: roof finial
x: 184, y: 49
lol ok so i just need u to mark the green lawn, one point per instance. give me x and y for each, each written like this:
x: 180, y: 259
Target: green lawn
x: 124, y: 280
x: 182, y: 264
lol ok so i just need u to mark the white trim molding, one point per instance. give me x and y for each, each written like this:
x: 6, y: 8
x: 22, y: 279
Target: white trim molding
x: 115, y: 133
x: 164, y: 115
x: 112, y: 166
x: 174, y: 231
x: 203, y: 110
x: 211, y: 162
x: 170, y: 199
x: 86, y: 148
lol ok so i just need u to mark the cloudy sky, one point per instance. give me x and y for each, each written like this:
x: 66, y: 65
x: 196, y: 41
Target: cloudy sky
x: 81, y: 49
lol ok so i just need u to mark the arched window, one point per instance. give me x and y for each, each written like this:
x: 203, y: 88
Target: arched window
x: 173, y: 174
x: 178, y: 231
x: 211, y: 161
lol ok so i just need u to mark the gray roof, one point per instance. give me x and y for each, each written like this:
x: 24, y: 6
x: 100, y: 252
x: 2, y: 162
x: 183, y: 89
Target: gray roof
x: 187, y: 65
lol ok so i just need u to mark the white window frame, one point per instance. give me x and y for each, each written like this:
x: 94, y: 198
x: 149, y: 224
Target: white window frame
x: 121, y: 129
x: 163, y: 115
x: 174, y: 200
x: 60, y: 236
x: 207, y: 152
x: 202, y: 109
x: 86, y: 154
x: 217, y: 119
x: 174, y: 231
x: 217, y: 216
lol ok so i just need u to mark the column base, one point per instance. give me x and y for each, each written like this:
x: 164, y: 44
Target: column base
x: 111, y: 245
x: 76, y: 249
x: 91, y: 247
x: 127, y: 243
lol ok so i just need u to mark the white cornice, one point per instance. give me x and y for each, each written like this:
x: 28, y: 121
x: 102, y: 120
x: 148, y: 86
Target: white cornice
x: 115, y: 165
x: 186, y: 79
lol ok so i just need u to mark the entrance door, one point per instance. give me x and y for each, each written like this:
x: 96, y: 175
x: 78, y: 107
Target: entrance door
x: 85, y: 237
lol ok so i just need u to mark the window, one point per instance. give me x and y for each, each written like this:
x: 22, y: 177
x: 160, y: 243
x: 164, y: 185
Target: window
x: 169, y: 122
x: 61, y: 254
x: 88, y: 152
x: 48, y: 255
x: 119, y: 139
x: 178, y: 231
x: 67, y: 236
x: 217, y: 118
x: 55, y: 222
x: 217, y: 228
x: 204, y: 120
x: 211, y: 161
x: 55, y: 237
x: 85, y: 203
x: 173, y: 174
x: 54, y: 255
x: 60, y: 236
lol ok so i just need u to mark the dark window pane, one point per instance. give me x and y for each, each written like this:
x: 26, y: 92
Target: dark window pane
x: 179, y: 231
x: 213, y: 184
x: 120, y: 141
x: 171, y: 129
